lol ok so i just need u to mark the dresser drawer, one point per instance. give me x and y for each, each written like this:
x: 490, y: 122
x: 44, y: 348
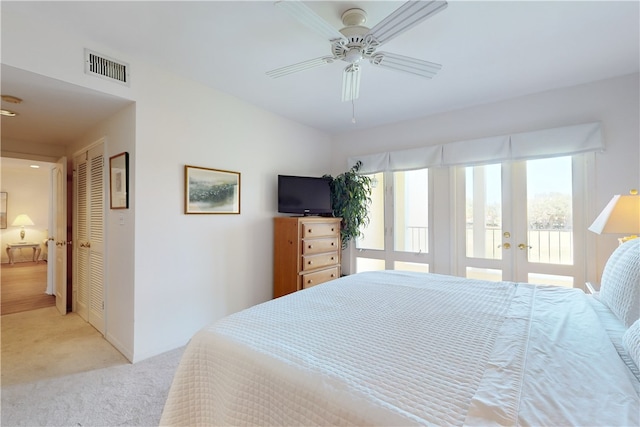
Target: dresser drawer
x: 320, y: 229
x: 316, y: 246
x: 312, y: 279
x: 312, y: 262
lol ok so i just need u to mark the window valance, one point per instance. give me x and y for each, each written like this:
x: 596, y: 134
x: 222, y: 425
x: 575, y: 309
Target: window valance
x: 561, y: 141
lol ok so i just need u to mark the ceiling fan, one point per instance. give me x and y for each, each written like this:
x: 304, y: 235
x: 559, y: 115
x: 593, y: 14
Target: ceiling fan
x: 355, y: 42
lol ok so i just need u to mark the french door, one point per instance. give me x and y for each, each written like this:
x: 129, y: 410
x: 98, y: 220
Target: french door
x: 522, y: 221
x: 57, y: 265
x: 397, y: 236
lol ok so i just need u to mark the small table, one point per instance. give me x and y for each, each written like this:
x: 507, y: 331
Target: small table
x: 36, y: 249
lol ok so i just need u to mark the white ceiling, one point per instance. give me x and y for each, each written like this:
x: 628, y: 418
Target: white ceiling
x: 490, y: 50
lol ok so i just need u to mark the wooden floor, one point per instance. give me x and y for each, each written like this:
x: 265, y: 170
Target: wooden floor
x: 23, y: 287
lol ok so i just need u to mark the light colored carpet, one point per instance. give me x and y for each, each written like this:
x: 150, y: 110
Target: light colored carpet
x: 41, y: 344
x: 59, y: 371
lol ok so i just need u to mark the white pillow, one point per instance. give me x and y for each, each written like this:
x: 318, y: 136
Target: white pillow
x: 631, y: 342
x: 620, y: 287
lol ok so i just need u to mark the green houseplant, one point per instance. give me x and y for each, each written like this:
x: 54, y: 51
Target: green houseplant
x: 350, y: 198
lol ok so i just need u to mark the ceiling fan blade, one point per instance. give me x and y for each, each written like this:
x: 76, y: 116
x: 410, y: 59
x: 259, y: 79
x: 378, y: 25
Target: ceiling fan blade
x: 300, y: 66
x: 406, y: 64
x: 309, y: 18
x: 405, y: 17
x: 351, y: 83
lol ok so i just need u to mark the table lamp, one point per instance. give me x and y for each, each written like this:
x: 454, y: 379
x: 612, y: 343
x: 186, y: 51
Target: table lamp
x: 20, y: 221
x: 620, y: 216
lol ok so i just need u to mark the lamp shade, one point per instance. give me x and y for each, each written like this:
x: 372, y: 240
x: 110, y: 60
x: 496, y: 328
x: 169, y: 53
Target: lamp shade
x: 621, y: 215
x: 22, y: 220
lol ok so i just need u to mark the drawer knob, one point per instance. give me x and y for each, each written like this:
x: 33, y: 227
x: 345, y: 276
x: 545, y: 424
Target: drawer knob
x: 309, y: 281
x: 310, y: 246
x: 332, y: 258
x: 309, y: 230
x: 333, y: 243
x: 310, y: 262
x: 333, y: 275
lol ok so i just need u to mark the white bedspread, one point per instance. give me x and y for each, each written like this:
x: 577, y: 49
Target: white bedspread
x: 397, y: 348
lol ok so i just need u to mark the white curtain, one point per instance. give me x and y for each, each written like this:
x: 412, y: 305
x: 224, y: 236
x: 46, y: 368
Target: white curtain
x: 561, y: 141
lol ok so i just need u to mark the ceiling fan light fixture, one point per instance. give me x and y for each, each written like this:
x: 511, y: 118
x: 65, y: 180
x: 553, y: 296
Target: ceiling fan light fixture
x: 351, y: 83
x: 353, y: 56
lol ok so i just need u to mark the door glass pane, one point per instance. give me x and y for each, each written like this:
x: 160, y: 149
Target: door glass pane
x: 369, y: 264
x: 373, y: 234
x: 483, y: 189
x: 484, y: 274
x: 411, y: 266
x: 411, y: 211
x: 549, y: 211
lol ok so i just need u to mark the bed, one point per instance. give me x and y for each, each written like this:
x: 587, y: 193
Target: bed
x: 401, y: 348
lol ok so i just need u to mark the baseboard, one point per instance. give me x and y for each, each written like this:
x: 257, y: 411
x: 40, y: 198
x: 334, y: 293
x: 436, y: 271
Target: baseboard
x: 121, y: 348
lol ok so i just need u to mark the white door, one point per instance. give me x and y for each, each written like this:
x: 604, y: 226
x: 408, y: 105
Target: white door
x: 522, y: 221
x: 89, y: 236
x: 58, y: 246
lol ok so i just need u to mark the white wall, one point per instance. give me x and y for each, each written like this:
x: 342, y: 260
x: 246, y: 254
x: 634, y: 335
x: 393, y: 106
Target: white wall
x: 169, y: 274
x: 613, y: 102
x: 194, y: 269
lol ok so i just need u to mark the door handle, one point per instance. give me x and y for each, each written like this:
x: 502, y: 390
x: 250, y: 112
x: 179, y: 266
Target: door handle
x: 522, y: 246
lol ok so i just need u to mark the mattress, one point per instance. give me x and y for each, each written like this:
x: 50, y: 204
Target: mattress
x: 399, y: 348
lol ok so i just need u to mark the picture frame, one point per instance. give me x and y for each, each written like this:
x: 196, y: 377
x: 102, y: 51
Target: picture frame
x: 3, y: 209
x: 211, y: 191
x: 119, y: 181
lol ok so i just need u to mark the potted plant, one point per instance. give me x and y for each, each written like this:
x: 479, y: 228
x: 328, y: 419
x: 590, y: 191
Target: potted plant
x: 350, y: 198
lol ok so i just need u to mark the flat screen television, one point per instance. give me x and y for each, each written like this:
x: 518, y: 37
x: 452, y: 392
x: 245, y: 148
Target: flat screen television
x: 304, y: 195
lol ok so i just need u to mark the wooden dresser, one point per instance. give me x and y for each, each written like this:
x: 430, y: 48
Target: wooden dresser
x: 307, y: 252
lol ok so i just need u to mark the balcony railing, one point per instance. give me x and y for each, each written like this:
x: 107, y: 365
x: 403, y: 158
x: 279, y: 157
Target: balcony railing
x: 546, y: 245
x: 549, y: 246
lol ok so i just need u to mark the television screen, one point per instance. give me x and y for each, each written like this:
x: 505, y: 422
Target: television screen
x: 304, y: 195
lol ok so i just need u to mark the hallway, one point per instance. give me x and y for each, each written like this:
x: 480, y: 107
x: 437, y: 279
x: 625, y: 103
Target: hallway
x: 23, y: 287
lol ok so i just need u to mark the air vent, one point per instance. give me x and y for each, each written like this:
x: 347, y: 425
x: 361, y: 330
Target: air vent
x: 100, y: 65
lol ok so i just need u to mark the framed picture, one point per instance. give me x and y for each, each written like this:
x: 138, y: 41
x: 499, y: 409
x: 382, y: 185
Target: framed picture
x: 211, y: 191
x: 119, y: 180
x: 3, y: 209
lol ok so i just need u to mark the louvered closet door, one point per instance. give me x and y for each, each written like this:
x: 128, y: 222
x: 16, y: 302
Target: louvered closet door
x: 89, y: 276
x: 96, y: 238
x: 81, y: 275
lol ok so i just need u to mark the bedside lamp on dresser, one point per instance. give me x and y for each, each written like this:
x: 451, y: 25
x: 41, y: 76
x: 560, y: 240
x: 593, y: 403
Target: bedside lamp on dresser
x: 620, y: 216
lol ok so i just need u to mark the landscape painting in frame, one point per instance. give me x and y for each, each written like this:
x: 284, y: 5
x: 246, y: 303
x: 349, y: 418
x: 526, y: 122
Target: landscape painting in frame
x: 211, y: 191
